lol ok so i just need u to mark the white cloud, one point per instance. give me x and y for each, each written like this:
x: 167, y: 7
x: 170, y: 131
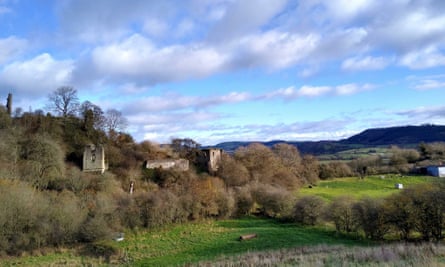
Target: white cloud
x: 430, y: 84
x: 155, y: 27
x: 423, y: 58
x: 11, y: 47
x: 41, y: 74
x: 273, y: 49
x: 184, y: 28
x: 317, y: 91
x: 109, y: 20
x: 421, y: 115
x: 175, y: 102
x: 365, y: 63
x: 313, y: 91
x: 407, y: 26
x: 245, y: 17
x: 344, y: 10
x: 349, y: 89
x: 137, y: 57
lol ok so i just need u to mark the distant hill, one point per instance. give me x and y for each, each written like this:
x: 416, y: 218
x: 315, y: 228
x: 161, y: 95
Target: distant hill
x: 402, y: 136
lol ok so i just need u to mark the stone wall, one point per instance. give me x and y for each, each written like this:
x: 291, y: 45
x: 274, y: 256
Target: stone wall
x: 179, y: 164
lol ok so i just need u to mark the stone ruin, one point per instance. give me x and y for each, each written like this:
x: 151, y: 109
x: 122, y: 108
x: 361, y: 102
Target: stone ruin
x: 179, y: 164
x: 211, y: 159
x: 94, y: 159
x: 9, y: 104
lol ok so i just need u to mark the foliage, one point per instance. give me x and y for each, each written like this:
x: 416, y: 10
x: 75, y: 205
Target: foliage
x: 340, y: 212
x: 371, y: 219
x: 308, y: 210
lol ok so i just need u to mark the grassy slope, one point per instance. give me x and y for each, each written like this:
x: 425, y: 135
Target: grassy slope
x: 206, y: 241
x: 372, y: 186
x: 201, y: 241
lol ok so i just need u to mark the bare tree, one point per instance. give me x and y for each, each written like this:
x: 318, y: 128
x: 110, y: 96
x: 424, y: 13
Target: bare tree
x: 115, y: 121
x: 92, y: 115
x: 63, y: 101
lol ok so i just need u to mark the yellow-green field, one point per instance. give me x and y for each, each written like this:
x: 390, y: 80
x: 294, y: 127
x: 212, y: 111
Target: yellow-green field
x: 371, y: 186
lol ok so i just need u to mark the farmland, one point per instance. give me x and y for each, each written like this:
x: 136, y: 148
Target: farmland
x: 371, y: 186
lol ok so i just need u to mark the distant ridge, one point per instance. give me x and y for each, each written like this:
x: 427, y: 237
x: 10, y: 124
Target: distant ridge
x: 402, y: 136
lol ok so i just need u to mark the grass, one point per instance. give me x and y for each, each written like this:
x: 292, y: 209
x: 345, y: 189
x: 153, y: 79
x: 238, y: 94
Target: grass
x: 371, y: 186
x: 211, y: 239
x: 399, y: 254
x: 178, y: 245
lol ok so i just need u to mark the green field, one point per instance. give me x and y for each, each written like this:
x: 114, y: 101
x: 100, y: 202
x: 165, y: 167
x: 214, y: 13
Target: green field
x: 204, y: 241
x: 371, y: 186
x: 201, y: 241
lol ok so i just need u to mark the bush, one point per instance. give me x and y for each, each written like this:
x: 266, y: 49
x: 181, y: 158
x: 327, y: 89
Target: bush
x: 371, y: 217
x: 273, y: 201
x: 340, y: 211
x: 243, y: 200
x: 65, y: 218
x: 159, y: 208
x: 308, y: 210
x: 95, y: 228
x: 103, y: 248
x: 23, y: 218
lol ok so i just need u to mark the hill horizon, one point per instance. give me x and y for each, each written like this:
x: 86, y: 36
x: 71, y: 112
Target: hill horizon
x: 403, y: 136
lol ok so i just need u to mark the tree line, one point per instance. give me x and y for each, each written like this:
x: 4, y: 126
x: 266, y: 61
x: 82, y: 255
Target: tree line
x: 412, y: 214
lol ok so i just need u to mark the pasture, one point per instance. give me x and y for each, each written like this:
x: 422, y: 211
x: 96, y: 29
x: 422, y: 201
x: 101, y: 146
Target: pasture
x: 370, y: 186
x: 201, y: 241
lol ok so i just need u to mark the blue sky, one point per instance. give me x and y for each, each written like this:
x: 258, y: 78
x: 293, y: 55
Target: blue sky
x: 225, y: 70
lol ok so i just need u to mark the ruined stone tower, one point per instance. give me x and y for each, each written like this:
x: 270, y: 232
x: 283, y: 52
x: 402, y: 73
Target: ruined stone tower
x: 94, y: 159
x: 9, y: 104
x: 211, y: 159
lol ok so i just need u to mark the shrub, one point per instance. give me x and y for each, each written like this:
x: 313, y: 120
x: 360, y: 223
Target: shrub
x: 95, y: 228
x: 340, y: 211
x: 273, y: 201
x: 308, y: 210
x: 65, y: 218
x: 159, y: 208
x: 370, y: 215
x: 23, y: 218
x: 103, y: 248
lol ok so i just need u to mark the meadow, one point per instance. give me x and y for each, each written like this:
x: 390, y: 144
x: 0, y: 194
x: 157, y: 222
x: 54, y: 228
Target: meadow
x: 377, y: 186
x: 201, y: 241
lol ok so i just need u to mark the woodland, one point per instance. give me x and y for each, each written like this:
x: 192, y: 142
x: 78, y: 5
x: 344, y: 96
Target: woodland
x: 47, y: 201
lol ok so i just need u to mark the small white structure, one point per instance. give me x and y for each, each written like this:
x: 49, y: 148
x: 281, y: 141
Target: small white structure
x: 399, y: 186
x: 438, y: 171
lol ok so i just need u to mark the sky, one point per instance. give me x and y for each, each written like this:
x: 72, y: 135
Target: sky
x: 232, y: 70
